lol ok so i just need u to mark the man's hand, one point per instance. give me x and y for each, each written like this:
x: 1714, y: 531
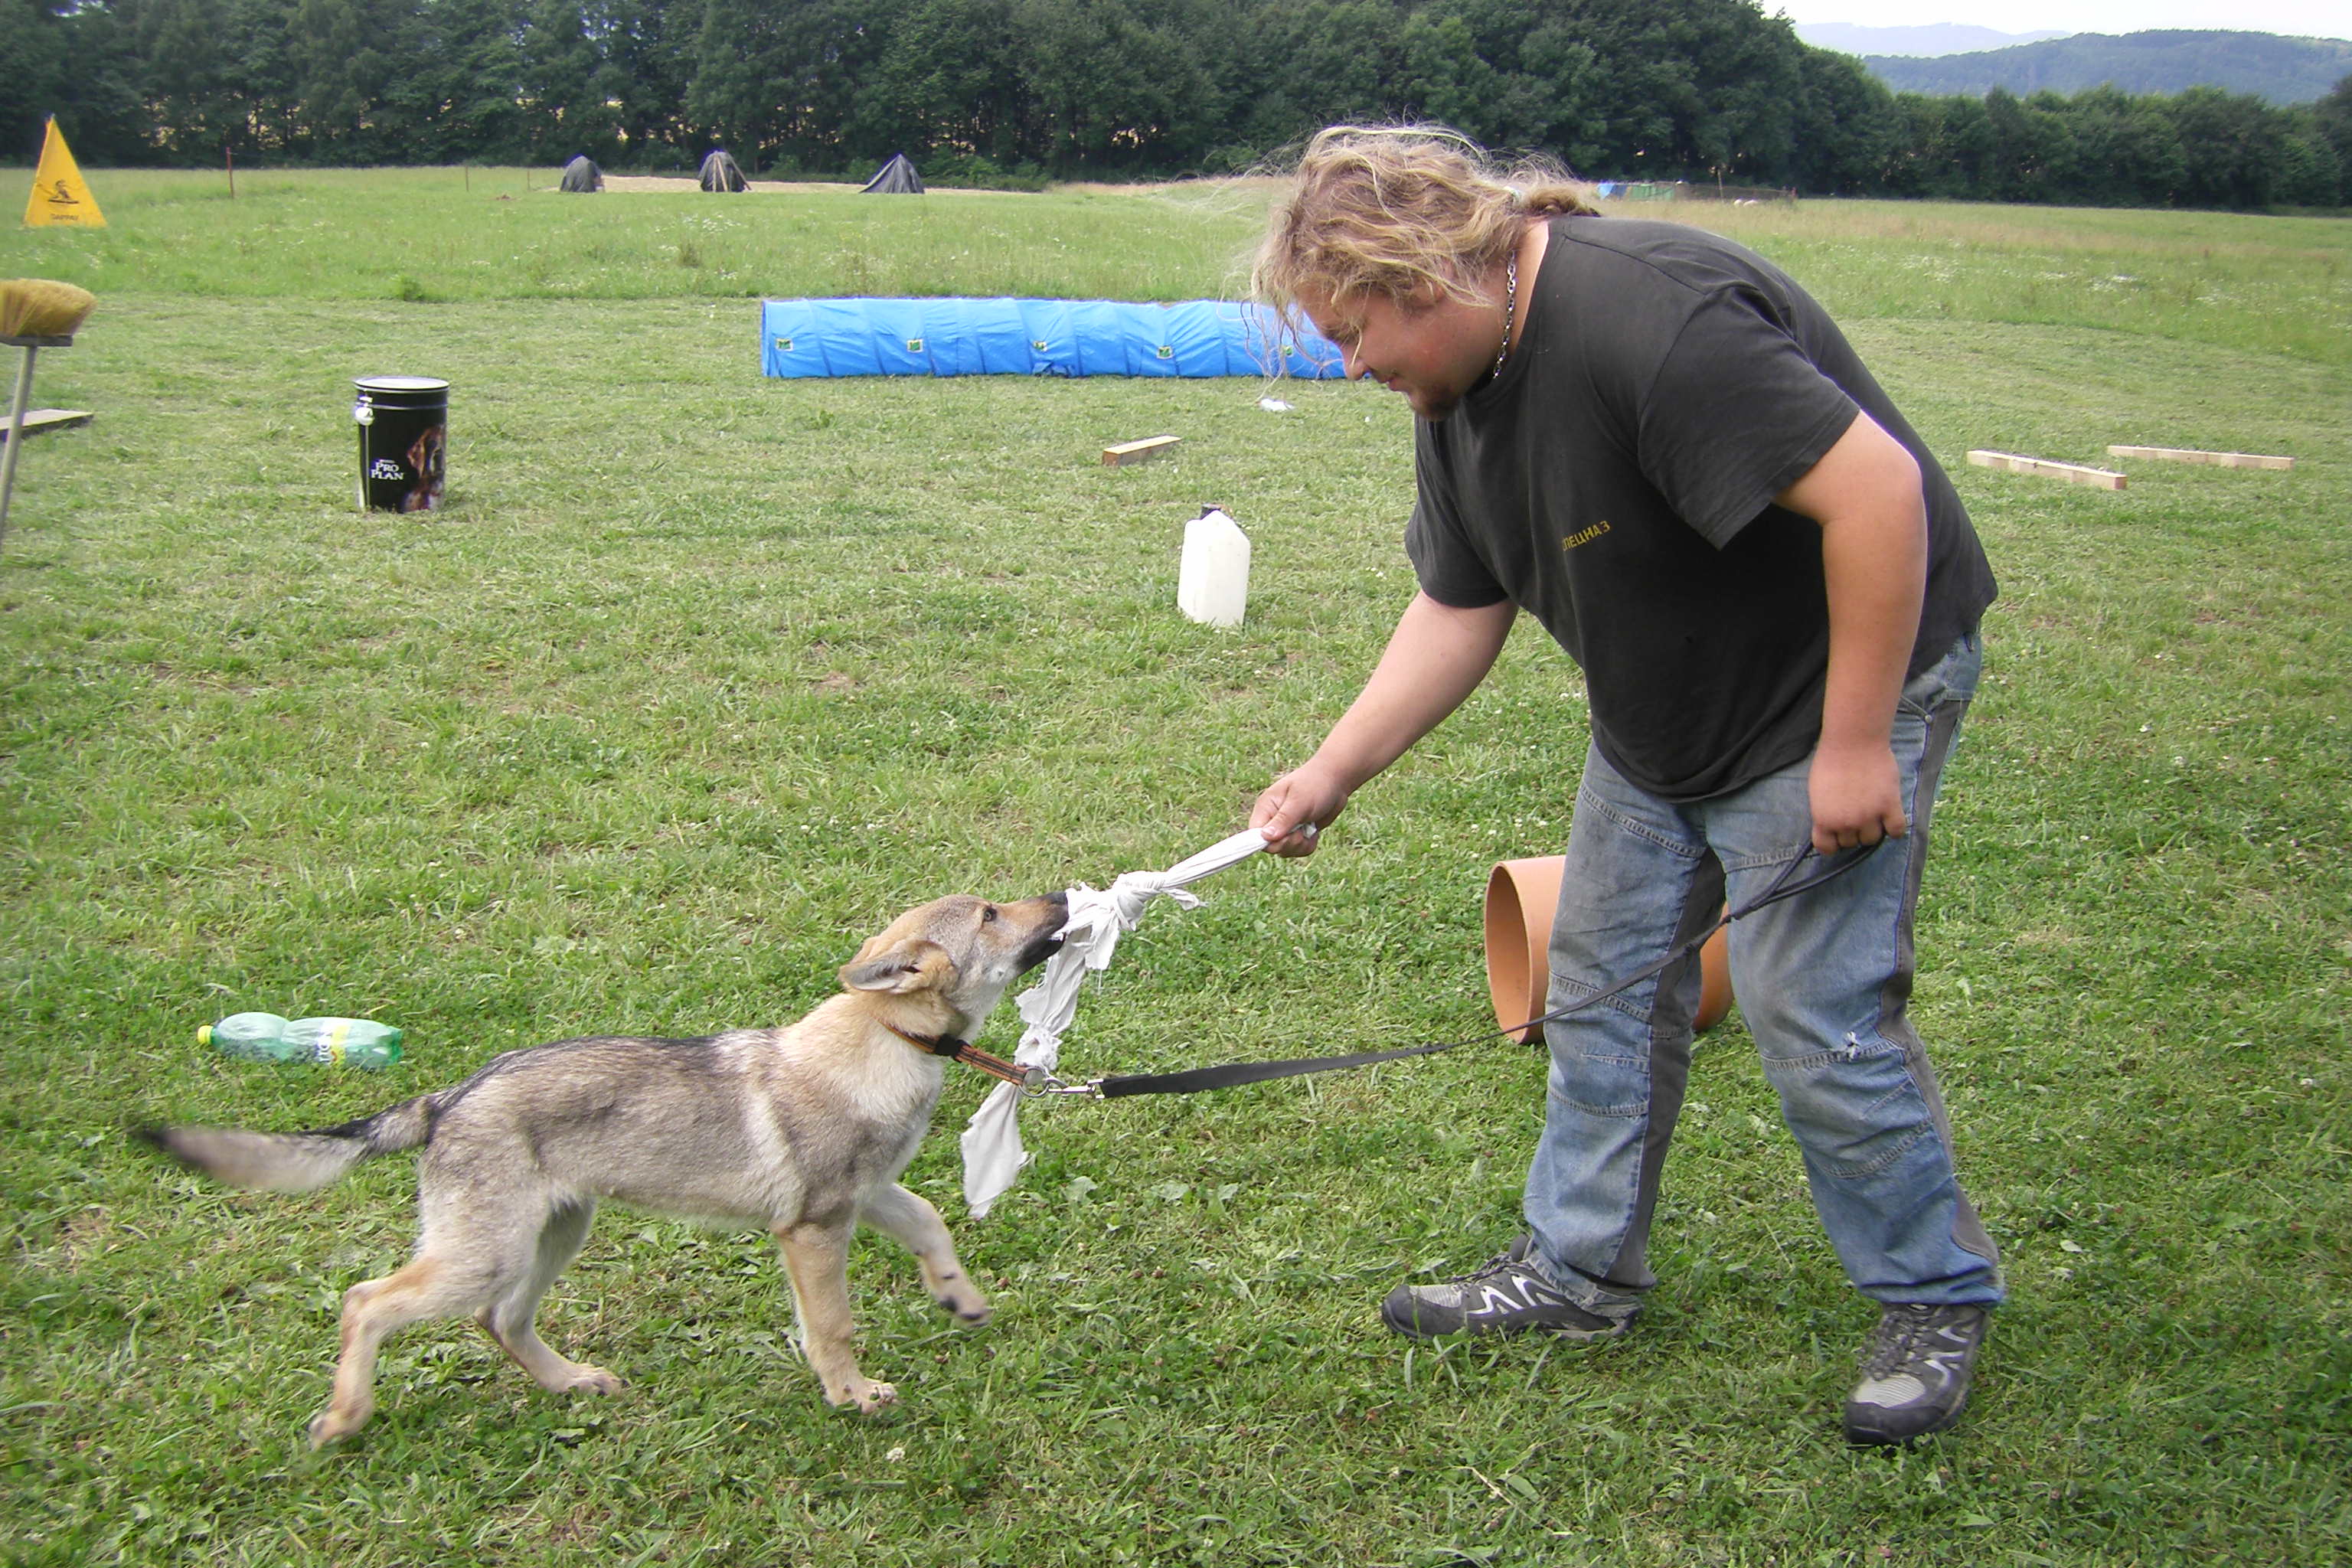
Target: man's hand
x: 1295, y: 809
x: 1857, y: 798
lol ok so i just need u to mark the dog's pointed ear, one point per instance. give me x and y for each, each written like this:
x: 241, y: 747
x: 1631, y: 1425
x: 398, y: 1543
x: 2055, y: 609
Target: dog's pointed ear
x: 910, y: 964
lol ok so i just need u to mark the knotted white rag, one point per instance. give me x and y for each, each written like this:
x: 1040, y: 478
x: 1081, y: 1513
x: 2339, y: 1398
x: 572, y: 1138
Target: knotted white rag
x: 993, y: 1154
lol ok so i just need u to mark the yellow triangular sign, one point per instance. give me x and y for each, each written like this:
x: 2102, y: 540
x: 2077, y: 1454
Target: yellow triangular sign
x: 61, y: 196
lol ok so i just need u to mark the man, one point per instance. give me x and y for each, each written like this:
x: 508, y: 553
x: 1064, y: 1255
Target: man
x: 1655, y: 443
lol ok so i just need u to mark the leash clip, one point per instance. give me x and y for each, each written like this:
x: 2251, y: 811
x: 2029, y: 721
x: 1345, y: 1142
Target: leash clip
x: 1043, y: 1083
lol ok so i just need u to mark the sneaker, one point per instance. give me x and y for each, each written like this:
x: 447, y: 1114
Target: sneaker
x: 1916, y: 1379
x: 1505, y: 1295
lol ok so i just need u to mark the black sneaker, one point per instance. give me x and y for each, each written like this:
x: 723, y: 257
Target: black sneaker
x: 1505, y: 1295
x: 1916, y: 1378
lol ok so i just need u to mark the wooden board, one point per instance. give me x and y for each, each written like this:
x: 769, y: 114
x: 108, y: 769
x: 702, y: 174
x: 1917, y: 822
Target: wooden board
x: 2191, y: 455
x: 1141, y: 451
x: 2042, y: 468
x: 39, y: 419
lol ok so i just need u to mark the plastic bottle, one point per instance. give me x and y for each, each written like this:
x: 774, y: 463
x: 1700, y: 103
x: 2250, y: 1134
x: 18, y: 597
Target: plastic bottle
x: 1213, y: 575
x: 337, y: 1042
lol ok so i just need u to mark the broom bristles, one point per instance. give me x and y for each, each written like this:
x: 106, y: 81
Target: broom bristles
x: 37, y: 308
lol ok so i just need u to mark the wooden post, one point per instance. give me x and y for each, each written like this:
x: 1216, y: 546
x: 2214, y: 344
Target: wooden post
x: 228, y: 153
x: 2072, y: 473
x: 1141, y: 451
x: 39, y: 419
x: 2191, y: 455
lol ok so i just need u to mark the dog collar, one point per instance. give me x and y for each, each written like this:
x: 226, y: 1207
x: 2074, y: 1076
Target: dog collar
x: 971, y: 1056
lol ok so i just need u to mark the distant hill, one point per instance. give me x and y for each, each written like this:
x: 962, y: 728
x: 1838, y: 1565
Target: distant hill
x: 1944, y: 38
x: 2282, y: 70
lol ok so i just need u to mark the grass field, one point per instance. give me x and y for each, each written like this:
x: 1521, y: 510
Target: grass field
x: 701, y: 677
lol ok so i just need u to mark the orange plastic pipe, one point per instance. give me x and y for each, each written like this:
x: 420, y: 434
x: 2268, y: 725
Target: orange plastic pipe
x: 1522, y: 896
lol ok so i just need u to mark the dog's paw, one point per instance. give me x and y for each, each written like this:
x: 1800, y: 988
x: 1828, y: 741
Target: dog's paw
x: 870, y: 1397
x: 334, y: 1424
x: 586, y: 1379
x: 968, y: 1306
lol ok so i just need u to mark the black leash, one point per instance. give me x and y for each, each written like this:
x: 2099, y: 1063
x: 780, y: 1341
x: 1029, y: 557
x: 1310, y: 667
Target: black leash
x: 1196, y: 1079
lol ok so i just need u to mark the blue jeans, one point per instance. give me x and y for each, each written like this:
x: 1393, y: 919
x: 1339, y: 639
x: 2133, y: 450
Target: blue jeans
x: 1824, y: 982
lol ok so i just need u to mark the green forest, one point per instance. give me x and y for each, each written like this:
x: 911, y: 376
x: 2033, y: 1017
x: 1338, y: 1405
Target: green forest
x: 1021, y: 91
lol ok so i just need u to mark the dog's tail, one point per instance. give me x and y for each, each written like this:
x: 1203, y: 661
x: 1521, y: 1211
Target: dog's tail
x: 294, y: 1161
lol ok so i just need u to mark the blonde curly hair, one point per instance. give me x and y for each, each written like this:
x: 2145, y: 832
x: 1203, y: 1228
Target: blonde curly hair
x: 1396, y: 210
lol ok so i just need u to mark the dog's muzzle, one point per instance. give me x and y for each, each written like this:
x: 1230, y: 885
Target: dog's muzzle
x: 1044, y: 946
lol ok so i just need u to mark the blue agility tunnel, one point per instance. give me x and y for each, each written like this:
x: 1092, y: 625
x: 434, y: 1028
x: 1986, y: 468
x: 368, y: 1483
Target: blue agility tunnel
x: 1035, y: 337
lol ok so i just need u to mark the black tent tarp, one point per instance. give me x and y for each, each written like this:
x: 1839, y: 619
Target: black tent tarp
x: 895, y: 177
x: 582, y: 175
x: 720, y: 172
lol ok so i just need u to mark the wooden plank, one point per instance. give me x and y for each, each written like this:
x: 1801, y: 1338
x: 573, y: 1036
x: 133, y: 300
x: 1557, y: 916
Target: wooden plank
x: 39, y: 419
x: 2072, y: 473
x: 1141, y: 451
x: 2191, y: 455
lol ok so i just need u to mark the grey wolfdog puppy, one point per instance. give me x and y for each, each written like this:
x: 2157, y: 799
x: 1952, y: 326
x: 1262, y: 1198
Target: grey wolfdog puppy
x: 802, y: 1130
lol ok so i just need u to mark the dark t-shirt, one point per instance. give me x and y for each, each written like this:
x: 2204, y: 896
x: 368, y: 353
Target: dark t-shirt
x: 1616, y: 482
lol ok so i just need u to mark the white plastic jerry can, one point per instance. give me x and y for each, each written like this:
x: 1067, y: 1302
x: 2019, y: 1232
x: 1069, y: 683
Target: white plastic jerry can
x: 1212, y: 578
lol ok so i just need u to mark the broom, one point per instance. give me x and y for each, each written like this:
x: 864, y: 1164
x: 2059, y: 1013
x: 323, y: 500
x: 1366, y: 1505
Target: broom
x: 35, y: 314
x: 36, y: 308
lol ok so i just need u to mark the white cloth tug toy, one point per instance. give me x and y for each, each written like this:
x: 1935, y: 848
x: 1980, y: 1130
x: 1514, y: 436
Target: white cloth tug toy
x: 993, y: 1154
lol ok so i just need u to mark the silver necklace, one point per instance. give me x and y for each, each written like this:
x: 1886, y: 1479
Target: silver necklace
x: 1510, y: 312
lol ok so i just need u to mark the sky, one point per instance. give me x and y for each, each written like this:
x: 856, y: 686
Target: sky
x: 2299, y: 18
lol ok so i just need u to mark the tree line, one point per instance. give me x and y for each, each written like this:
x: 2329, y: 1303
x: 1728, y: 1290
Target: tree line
x: 988, y: 91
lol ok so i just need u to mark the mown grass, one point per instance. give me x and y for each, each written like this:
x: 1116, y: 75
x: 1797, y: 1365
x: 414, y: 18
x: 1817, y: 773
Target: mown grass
x: 701, y: 677
x: 455, y: 235
x: 2275, y: 284
x: 2281, y: 285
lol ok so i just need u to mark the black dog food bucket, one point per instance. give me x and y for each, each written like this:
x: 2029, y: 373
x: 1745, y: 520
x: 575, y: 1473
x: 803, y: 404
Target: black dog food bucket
x: 403, y: 424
